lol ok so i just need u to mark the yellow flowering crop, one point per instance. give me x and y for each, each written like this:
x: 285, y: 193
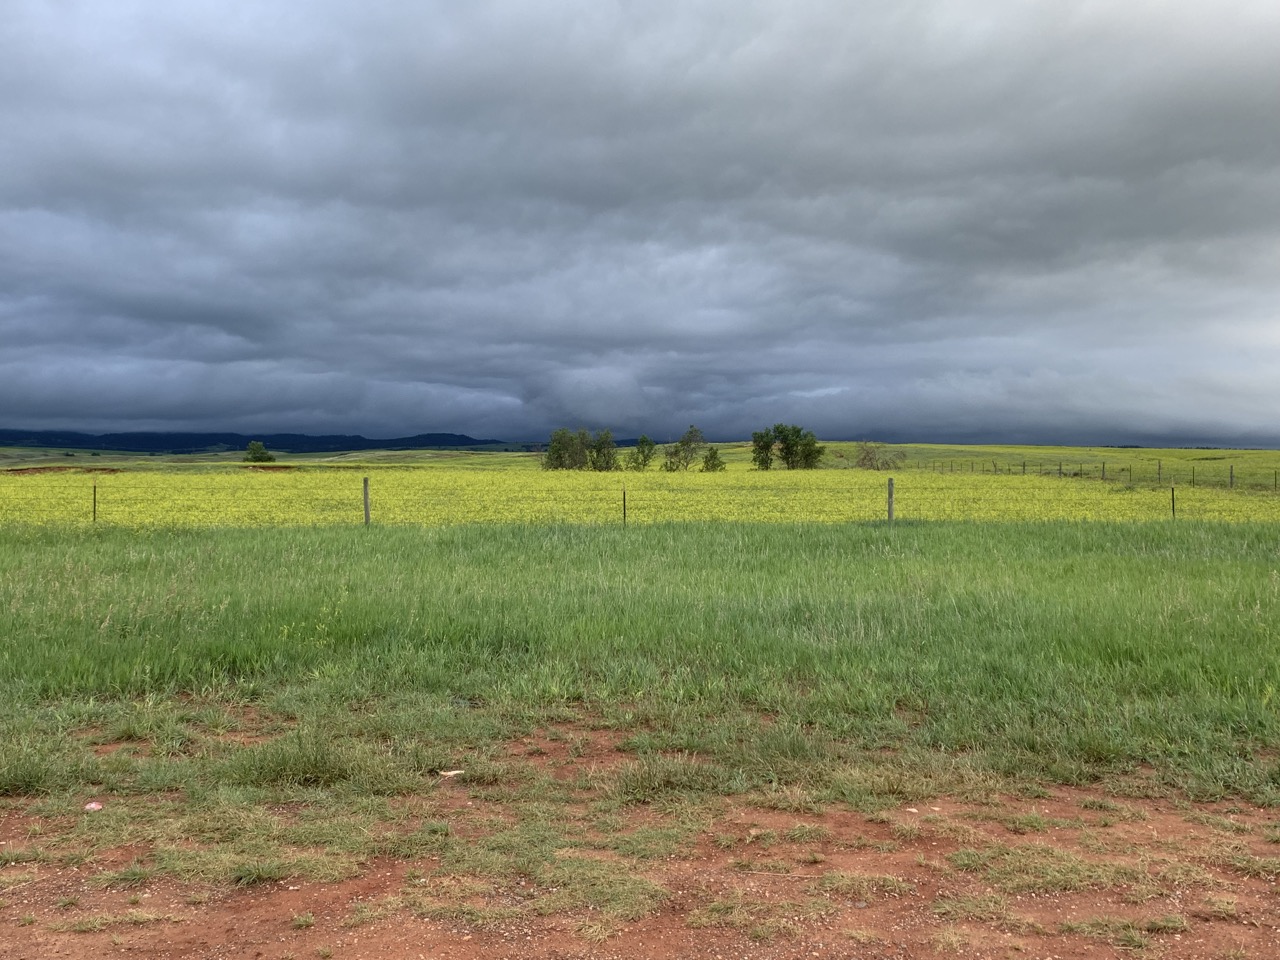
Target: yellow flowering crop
x: 439, y: 495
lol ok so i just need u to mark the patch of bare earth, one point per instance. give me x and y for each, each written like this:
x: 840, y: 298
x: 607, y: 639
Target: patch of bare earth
x: 1079, y: 874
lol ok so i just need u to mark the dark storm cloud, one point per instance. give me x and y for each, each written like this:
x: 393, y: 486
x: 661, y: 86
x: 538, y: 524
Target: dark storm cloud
x: 949, y: 220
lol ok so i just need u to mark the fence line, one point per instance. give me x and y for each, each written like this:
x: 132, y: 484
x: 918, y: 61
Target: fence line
x: 1148, y: 473
x: 472, y: 500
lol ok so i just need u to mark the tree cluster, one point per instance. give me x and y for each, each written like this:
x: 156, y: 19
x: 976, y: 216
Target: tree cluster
x: 795, y: 447
x: 570, y: 450
x: 681, y: 454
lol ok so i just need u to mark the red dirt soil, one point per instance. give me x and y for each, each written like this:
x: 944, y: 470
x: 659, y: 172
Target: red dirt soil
x: 743, y: 855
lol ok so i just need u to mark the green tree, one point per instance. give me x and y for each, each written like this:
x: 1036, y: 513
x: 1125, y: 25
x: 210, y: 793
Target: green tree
x: 257, y: 452
x: 602, y: 454
x: 711, y: 462
x: 681, y: 454
x: 567, y: 450
x: 762, y: 449
x: 797, y: 448
x: 641, y: 454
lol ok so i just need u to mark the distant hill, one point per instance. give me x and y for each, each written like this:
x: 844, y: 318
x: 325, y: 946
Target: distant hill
x: 216, y: 442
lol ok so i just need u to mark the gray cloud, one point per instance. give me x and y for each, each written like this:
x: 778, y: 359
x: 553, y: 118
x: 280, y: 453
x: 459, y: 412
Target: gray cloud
x: 981, y: 219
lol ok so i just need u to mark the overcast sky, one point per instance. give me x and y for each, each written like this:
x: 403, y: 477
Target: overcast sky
x: 983, y: 219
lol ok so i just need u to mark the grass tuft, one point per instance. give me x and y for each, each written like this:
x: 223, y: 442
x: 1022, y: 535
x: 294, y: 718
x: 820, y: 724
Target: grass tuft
x: 1038, y: 868
x: 861, y: 886
x: 659, y: 777
x: 988, y: 906
x: 313, y: 759
x: 134, y: 875
x: 252, y: 872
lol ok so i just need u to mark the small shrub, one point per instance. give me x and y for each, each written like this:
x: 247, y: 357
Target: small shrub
x: 876, y: 456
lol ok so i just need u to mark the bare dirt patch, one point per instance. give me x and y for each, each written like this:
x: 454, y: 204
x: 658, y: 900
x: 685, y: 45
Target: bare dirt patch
x: 1076, y: 874
x: 571, y: 751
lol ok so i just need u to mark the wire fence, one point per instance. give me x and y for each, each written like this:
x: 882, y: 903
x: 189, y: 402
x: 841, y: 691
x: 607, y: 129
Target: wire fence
x: 1212, y: 472
x: 437, y: 498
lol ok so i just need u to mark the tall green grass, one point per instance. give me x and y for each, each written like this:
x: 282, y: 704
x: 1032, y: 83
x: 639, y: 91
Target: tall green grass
x: 1058, y: 651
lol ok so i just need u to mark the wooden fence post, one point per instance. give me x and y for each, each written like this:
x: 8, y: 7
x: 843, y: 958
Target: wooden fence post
x: 891, y: 499
x: 1173, y: 503
x: 366, y: 501
x: 1232, y: 482
x: 95, y: 503
x: 624, y: 506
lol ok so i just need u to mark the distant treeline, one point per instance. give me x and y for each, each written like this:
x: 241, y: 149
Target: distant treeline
x: 790, y: 445
x: 179, y: 443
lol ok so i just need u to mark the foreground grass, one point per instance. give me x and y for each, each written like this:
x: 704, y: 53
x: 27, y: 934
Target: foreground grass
x: 776, y: 655
x: 533, y: 720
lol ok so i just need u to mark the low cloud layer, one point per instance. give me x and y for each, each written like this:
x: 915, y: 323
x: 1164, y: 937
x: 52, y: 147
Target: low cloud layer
x: 958, y: 220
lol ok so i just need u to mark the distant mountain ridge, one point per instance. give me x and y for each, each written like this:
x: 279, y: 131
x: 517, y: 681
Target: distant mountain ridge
x: 214, y: 442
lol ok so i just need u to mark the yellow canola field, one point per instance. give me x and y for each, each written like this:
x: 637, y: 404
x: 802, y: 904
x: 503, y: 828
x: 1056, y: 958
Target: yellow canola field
x: 443, y: 495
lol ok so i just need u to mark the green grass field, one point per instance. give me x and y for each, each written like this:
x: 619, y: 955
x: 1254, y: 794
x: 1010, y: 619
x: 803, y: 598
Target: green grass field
x: 254, y: 700
x: 781, y: 653
x: 203, y: 669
